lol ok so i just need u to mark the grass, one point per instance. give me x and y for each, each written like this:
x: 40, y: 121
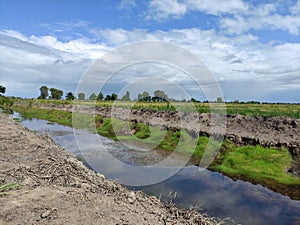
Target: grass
x: 257, y: 163
x: 5, y: 187
x: 248, y: 109
x: 17, y: 120
x: 57, y: 116
x: 254, y: 163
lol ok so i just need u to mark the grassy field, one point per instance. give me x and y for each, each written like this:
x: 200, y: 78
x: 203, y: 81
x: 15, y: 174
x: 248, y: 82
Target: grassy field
x: 253, y: 163
x: 290, y: 110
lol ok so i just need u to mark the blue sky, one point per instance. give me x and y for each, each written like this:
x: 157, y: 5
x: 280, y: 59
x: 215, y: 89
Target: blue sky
x: 251, y: 47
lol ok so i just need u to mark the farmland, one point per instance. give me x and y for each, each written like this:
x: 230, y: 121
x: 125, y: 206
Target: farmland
x: 247, y: 109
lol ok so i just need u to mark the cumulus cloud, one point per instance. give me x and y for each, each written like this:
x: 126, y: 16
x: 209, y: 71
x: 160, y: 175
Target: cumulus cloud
x: 236, y: 62
x: 26, y: 66
x: 235, y: 16
x: 262, y: 18
x: 160, y: 10
x: 217, y: 7
x: 233, y: 60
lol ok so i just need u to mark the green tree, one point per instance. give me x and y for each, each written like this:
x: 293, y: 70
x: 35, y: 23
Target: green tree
x: 144, y: 97
x: 44, y: 92
x: 126, y: 97
x: 70, y: 96
x: 107, y: 98
x: 81, y: 96
x: 56, y: 93
x: 2, y: 90
x: 114, y: 96
x: 219, y: 100
x: 100, y: 96
x: 93, y: 96
x: 160, y: 96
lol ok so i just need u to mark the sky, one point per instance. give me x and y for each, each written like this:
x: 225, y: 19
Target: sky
x: 251, y: 48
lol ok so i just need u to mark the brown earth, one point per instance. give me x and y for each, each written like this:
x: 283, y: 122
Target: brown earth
x: 56, y: 188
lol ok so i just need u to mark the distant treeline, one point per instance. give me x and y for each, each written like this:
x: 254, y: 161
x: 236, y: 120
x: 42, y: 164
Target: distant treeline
x: 158, y: 96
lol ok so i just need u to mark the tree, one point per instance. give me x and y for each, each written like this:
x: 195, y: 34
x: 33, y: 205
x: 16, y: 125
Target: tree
x: 114, y: 96
x: 100, y: 96
x: 194, y: 100
x: 70, y: 96
x: 140, y: 97
x: 219, y: 100
x: 2, y: 90
x: 107, y: 98
x: 56, y: 93
x: 160, y: 96
x: 144, y: 97
x: 44, y: 92
x: 126, y: 97
x: 93, y: 96
x: 81, y: 96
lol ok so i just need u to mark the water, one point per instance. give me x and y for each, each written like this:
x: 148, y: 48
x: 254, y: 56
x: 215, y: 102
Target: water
x: 207, y: 191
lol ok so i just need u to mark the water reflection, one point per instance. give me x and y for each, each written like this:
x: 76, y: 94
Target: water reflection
x: 219, y: 195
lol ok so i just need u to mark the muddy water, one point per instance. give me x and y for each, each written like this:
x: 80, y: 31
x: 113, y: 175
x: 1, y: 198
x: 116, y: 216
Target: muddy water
x: 211, y: 192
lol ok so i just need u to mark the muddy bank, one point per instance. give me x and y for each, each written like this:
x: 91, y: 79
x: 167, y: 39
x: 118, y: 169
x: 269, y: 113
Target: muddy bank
x: 245, y: 130
x: 55, y: 188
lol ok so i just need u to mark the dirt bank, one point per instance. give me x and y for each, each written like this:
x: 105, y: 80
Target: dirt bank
x: 263, y: 130
x: 55, y: 188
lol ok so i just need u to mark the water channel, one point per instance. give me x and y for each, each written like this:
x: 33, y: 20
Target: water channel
x: 209, y: 192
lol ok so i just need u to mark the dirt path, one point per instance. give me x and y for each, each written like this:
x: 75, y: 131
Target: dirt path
x: 55, y: 188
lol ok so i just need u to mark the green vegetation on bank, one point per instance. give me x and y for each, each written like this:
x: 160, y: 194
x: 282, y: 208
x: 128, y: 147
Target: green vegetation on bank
x: 254, y: 163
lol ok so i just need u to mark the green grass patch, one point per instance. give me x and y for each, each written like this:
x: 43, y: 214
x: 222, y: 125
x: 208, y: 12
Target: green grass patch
x: 58, y: 116
x: 6, y: 187
x: 17, y: 120
x: 257, y: 163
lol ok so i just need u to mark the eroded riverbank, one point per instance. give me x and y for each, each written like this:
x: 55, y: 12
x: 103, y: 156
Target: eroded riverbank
x: 55, y: 188
x: 266, y: 131
x: 269, y: 167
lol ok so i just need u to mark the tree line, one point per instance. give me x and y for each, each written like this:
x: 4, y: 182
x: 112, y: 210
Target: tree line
x: 158, y: 96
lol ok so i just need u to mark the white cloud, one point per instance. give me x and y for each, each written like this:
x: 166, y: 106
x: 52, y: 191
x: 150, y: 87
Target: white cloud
x: 235, y: 16
x: 295, y: 9
x: 80, y: 48
x: 217, y: 7
x: 262, y: 17
x: 15, y: 34
x: 259, y: 20
x: 127, y: 4
x: 235, y: 61
x: 162, y: 9
x: 26, y: 65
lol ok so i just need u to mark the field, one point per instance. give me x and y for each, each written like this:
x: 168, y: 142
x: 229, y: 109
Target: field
x: 247, y: 109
